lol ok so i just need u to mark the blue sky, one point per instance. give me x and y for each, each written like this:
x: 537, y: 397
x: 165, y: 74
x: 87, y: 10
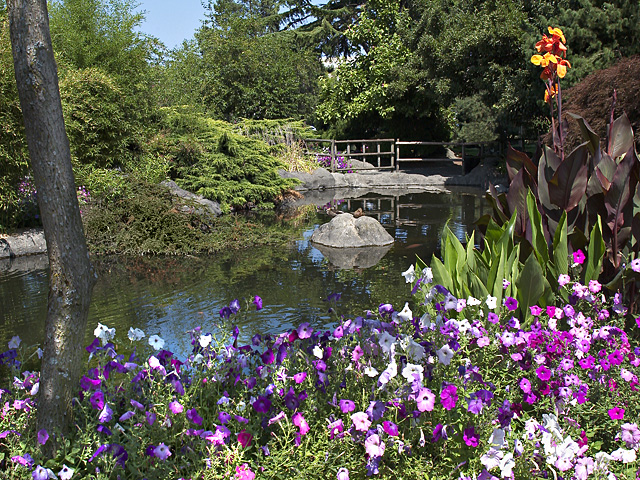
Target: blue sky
x: 172, y: 21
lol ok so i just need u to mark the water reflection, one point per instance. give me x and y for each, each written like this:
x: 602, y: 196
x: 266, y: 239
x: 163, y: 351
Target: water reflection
x: 170, y: 295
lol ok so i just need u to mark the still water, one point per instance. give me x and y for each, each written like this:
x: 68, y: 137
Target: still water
x: 171, y: 295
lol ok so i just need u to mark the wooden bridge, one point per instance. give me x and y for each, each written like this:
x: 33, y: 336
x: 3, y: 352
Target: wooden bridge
x: 390, y: 154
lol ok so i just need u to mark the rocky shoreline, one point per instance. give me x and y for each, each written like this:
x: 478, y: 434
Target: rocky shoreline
x: 319, y: 188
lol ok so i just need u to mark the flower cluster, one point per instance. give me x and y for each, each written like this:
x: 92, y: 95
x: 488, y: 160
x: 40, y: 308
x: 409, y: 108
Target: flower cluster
x: 553, y: 60
x: 554, y: 393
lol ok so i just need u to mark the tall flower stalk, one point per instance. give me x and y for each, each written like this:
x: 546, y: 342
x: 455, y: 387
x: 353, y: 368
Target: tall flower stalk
x: 551, y: 56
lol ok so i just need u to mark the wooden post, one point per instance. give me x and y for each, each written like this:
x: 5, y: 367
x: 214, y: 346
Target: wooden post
x: 333, y: 156
x: 396, y: 147
x: 378, y: 150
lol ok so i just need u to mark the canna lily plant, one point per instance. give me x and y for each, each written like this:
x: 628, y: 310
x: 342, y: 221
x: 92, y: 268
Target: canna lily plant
x: 592, y: 190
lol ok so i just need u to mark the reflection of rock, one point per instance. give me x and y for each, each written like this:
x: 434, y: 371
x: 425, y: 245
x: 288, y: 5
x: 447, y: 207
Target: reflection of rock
x: 27, y: 263
x: 345, y: 231
x: 353, y: 258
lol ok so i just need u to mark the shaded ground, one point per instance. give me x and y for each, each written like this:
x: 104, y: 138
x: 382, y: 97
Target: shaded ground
x: 592, y: 98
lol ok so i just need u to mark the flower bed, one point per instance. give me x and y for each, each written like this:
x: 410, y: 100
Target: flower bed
x: 460, y: 389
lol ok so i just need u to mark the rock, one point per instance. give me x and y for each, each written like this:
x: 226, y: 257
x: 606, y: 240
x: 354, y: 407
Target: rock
x: 345, y: 231
x: 29, y: 242
x: 353, y: 258
x: 209, y: 206
x: 318, y: 180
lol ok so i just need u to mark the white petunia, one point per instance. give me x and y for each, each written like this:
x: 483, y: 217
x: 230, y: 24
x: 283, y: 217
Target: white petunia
x: 406, y: 314
x: 135, y: 334
x: 409, y: 275
x: 492, y: 458
x: 415, y: 351
x: 386, y: 341
x: 104, y: 333
x: 623, y: 455
x: 506, y: 465
x: 445, y: 354
x: 240, y: 406
x: 156, y: 342
x: 425, y: 321
x: 410, y: 370
x: 205, y: 340
x: 370, y: 372
x: 473, y: 301
x: 491, y: 302
x: 427, y: 275
x: 496, y: 440
x: 317, y: 351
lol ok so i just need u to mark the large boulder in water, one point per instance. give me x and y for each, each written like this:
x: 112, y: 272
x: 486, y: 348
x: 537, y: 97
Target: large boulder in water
x: 346, y: 231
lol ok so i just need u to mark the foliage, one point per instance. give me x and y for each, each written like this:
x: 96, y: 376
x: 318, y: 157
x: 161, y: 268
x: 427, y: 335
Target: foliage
x: 16, y: 205
x: 593, y: 186
x: 143, y: 218
x: 464, y: 386
x: 210, y: 159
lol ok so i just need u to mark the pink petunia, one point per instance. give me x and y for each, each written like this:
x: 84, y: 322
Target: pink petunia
x: 449, y: 397
x: 616, y: 413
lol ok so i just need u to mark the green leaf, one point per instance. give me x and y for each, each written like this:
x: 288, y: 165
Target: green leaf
x: 538, y: 239
x: 530, y: 283
x: 440, y: 274
x: 560, y: 248
x: 595, y: 253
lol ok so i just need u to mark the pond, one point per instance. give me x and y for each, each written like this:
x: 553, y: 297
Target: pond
x: 170, y: 295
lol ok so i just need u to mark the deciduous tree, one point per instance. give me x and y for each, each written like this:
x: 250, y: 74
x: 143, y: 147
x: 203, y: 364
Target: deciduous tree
x: 71, y: 274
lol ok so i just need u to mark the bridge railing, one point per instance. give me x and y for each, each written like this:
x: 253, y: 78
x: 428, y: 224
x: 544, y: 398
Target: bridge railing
x: 390, y: 154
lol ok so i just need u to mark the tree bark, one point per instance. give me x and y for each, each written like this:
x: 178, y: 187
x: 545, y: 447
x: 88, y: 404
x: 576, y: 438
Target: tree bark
x: 71, y: 274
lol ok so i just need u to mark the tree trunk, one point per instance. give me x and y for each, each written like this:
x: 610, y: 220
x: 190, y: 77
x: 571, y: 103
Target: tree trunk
x: 71, y: 274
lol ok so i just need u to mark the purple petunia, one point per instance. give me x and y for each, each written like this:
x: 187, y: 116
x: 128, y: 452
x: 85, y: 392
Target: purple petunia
x: 335, y: 429
x: 511, y: 303
x: 192, y: 415
x: 543, y: 373
x: 347, y: 406
x: 176, y: 407
x: 262, y: 404
x: 43, y: 436
x: 304, y: 330
x: 470, y: 437
x: 162, y: 452
x: 257, y: 301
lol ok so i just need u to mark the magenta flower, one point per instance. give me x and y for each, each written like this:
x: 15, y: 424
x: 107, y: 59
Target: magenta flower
x: 335, y: 428
x: 511, y: 303
x: 347, y: 406
x: 578, y: 257
x: 176, y: 407
x: 257, y: 302
x: 244, y: 438
x: 43, y: 436
x: 299, y: 421
x: 300, y: 377
x: 361, y: 421
x: 243, y: 472
x: 192, y: 415
x: 616, y: 413
x: 493, y: 318
x: 449, y: 397
x: 470, y: 437
x: 390, y: 428
x: 535, y: 310
x: 525, y: 385
x: 543, y: 373
x: 162, y: 452
x: 268, y: 357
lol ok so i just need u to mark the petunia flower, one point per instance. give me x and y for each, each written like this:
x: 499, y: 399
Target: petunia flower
x: 492, y: 302
x: 304, y: 330
x: 449, y: 397
x: 343, y: 474
x: 374, y: 446
x: 578, y: 257
x: 470, y: 437
x: 176, y: 407
x: 406, y: 314
x: 410, y: 370
x: 616, y: 413
x: 14, y: 343
x: 361, y: 421
x: 409, y: 275
x: 390, y: 428
x: 426, y: 400
x: 386, y: 341
x: 135, y: 334
x: 445, y: 354
x: 257, y: 301
x: 347, y: 406
x: 511, y: 303
x: 65, y: 473
x: 43, y: 436
x: 156, y: 342
x: 162, y: 452
x: 244, y: 438
x: 193, y: 416
x: 299, y: 421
